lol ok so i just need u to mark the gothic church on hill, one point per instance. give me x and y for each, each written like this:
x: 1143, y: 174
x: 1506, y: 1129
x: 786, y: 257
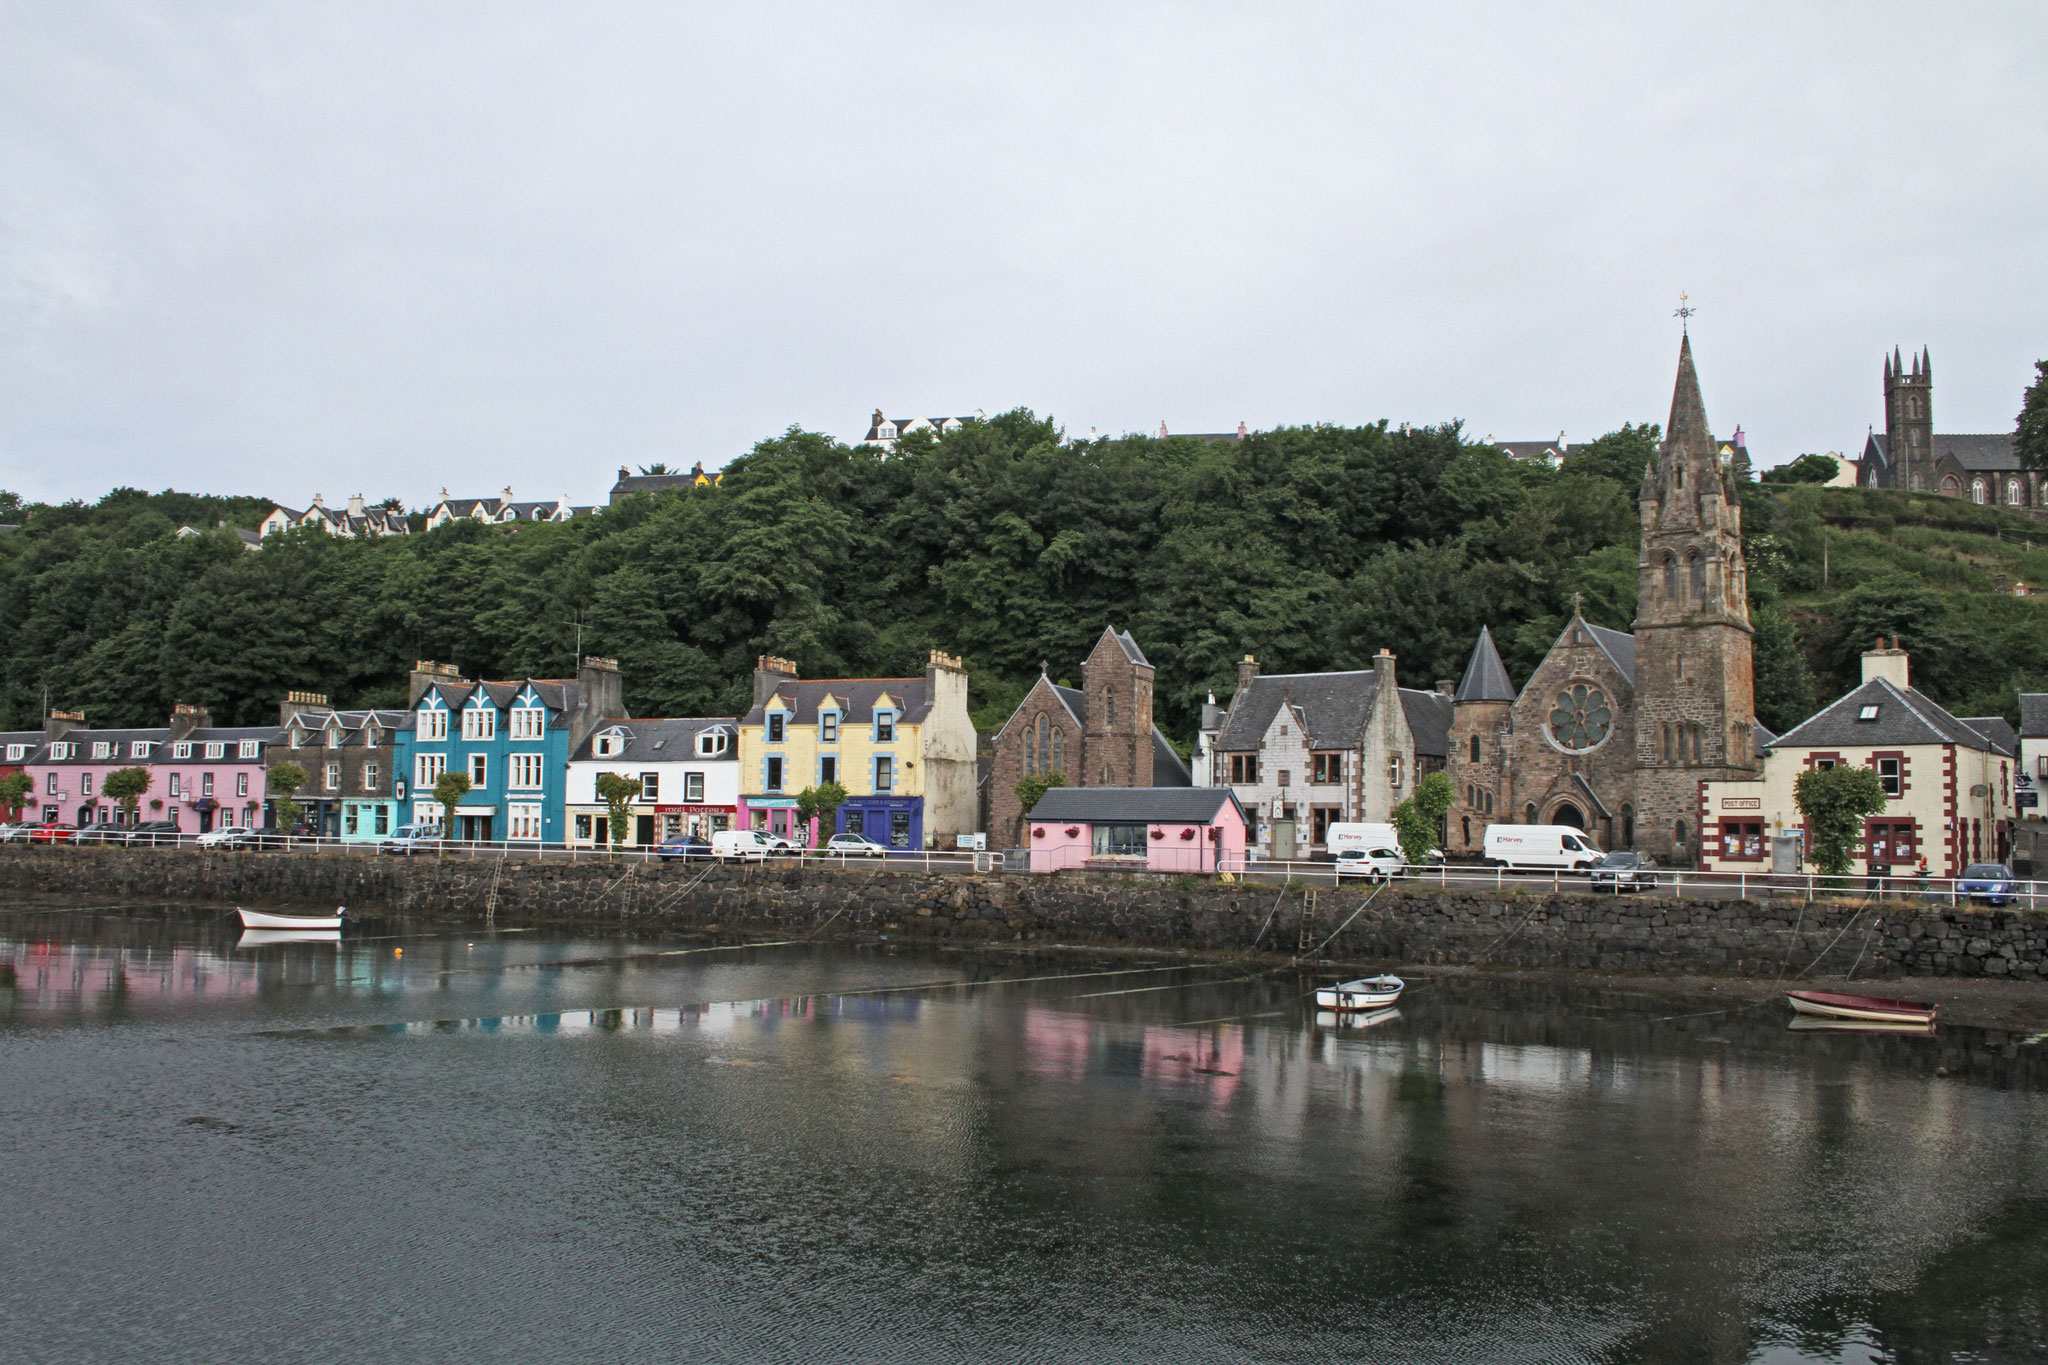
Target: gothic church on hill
x: 1614, y: 732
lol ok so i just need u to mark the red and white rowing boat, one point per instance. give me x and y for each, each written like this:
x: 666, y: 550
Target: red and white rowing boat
x: 1870, y: 1008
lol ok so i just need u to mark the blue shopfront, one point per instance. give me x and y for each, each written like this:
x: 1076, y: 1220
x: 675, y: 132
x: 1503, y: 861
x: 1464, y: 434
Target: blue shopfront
x: 895, y: 822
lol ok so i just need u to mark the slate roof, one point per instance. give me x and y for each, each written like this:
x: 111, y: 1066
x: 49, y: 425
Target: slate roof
x: 1334, y: 707
x: 2034, y: 714
x: 558, y: 695
x: 1167, y: 769
x: 1486, y: 678
x: 1903, y: 717
x: 1620, y: 647
x: 1151, y: 805
x: 858, y: 694
x: 1130, y: 648
x: 83, y: 740
x: 664, y: 739
x: 1998, y: 730
x: 32, y: 738
x: 314, y: 721
x: 1429, y: 720
x: 231, y: 734
x: 1987, y: 451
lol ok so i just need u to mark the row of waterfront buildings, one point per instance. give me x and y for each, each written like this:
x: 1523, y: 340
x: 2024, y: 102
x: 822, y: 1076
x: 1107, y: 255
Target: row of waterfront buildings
x: 1646, y: 738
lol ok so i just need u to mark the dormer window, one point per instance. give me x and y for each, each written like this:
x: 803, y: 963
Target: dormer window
x: 610, y: 744
x: 776, y: 722
x: 430, y: 726
x: 140, y: 749
x: 529, y: 722
x: 334, y: 739
x: 480, y: 723
x: 828, y: 727
x: 296, y: 737
x: 252, y: 748
x: 885, y: 727
x: 216, y: 750
x: 712, y: 743
x: 101, y: 748
x: 370, y: 737
x: 182, y: 749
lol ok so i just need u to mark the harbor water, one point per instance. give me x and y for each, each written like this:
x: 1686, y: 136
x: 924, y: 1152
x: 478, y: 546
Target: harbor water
x: 512, y: 1146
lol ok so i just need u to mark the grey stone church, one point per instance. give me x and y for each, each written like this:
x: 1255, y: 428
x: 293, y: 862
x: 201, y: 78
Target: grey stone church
x: 1614, y: 732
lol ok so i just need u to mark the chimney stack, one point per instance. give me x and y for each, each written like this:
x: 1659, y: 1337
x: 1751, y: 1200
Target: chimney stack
x: 600, y: 696
x: 1247, y: 673
x: 1887, y: 661
x: 425, y: 673
x: 771, y: 672
x: 355, y: 505
x: 186, y: 718
x: 297, y: 703
x: 1383, y: 666
x: 60, y: 723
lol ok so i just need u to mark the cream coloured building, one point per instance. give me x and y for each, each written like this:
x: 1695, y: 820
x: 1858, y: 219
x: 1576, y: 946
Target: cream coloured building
x: 1948, y: 781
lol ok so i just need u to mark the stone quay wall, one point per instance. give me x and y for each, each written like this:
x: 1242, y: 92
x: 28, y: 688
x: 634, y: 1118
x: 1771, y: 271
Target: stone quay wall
x: 1416, y: 926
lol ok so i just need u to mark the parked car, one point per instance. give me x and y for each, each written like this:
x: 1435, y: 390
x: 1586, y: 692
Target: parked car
x: 1992, y: 882
x: 13, y: 833
x: 52, y: 833
x: 411, y: 839
x: 855, y: 846
x: 1622, y: 871
x: 227, y: 837
x: 1373, y: 862
x: 687, y: 846
x: 102, y: 832
x: 152, y: 832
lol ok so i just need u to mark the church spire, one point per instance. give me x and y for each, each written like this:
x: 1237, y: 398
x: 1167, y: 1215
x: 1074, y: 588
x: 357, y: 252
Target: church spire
x: 1688, y: 427
x: 1485, y: 678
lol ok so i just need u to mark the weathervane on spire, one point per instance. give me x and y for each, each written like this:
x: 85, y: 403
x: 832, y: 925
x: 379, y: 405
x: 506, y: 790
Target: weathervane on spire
x: 1684, y: 313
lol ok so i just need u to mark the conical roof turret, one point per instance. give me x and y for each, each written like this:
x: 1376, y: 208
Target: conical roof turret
x: 1687, y: 429
x: 1486, y: 678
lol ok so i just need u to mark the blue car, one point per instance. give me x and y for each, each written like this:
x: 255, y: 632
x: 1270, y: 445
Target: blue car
x: 1991, y: 882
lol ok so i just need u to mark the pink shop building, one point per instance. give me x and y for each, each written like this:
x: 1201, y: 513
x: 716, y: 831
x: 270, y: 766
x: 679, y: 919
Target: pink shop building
x: 1137, y: 829
x: 201, y: 776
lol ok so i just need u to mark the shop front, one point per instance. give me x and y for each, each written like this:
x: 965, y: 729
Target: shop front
x: 894, y: 822
x: 367, y: 820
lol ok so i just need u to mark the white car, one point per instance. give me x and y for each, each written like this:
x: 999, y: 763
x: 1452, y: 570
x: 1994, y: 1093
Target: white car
x: 855, y: 846
x: 227, y: 834
x: 1375, y: 863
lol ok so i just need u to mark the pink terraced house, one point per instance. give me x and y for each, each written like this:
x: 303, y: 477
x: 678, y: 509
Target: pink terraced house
x: 201, y: 776
x: 1137, y: 829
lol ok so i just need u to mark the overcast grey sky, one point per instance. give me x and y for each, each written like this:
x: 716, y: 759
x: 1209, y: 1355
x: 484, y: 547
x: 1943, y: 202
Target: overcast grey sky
x: 383, y: 248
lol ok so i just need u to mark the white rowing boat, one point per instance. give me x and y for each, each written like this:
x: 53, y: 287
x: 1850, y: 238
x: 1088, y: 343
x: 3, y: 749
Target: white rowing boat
x: 1876, y: 1009
x: 263, y: 919
x: 1366, y: 993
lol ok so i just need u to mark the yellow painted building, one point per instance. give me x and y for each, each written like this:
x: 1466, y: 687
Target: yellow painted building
x: 903, y: 748
x: 1948, y: 782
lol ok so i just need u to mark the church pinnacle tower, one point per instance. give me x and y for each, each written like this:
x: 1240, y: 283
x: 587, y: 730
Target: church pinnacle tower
x: 1694, y: 682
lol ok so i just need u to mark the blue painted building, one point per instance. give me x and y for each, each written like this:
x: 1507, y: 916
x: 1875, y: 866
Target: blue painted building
x: 511, y: 739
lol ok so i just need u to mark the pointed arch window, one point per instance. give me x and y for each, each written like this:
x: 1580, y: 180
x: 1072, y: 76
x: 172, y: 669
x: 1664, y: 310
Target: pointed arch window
x: 1670, y: 575
x: 2012, y: 493
x: 1696, y: 571
x: 1978, y: 492
x: 1030, y: 749
x: 1475, y: 748
x: 1059, y: 747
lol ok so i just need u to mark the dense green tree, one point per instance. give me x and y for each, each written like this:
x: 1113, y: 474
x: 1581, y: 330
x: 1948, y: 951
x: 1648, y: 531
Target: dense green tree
x: 15, y: 789
x: 1834, y: 802
x: 283, y: 781
x: 1807, y: 468
x: 2031, y: 431
x: 1784, y: 687
x: 618, y: 792
x: 127, y: 786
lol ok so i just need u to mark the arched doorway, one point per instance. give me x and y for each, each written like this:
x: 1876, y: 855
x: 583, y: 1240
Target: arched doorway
x: 1568, y: 814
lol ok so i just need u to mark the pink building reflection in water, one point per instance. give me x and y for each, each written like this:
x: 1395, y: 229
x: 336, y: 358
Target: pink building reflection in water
x: 1074, y: 1047
x: 56, y: 977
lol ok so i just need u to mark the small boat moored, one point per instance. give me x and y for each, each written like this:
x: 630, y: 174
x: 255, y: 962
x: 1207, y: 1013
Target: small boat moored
x: 1875, y: 1009
x: 1366, y: 993
x: 263, y: 919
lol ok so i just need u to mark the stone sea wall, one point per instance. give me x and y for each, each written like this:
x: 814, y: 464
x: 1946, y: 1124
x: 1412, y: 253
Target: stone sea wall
x: 1637, y: 933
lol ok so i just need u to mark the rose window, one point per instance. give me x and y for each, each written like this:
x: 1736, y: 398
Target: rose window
x: 1580, y: 718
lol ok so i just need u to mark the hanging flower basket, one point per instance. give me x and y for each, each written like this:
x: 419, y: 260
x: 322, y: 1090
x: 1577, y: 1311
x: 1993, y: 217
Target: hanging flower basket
x: 1073, y: 830
x: 1188, y: 833
x: 156, y: 805
x: 1215, y: 834
x: 1158, y: 834
x: 1038, y: 832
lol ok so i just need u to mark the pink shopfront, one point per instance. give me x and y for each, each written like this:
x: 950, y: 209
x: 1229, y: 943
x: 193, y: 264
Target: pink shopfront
x: 1139, y: 829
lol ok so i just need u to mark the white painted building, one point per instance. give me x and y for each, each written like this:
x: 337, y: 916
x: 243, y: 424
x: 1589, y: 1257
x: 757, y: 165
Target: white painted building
x: 689, y: 775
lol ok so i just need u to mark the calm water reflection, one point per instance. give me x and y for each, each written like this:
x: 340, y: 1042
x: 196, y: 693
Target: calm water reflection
x: 416, y: 1146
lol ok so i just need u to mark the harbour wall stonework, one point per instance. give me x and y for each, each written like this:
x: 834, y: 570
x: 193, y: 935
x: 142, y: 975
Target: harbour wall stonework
x: 1417, y: 926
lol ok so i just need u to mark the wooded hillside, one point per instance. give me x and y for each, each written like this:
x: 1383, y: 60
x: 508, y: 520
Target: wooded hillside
x: 1310, y: 547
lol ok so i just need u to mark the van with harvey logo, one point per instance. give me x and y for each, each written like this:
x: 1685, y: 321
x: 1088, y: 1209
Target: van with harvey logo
x: 1541, y: 847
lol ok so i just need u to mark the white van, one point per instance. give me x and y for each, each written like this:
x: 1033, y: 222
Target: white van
x: 1340, y: 836
x: 741, y: 843
x: 1541, y: 846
